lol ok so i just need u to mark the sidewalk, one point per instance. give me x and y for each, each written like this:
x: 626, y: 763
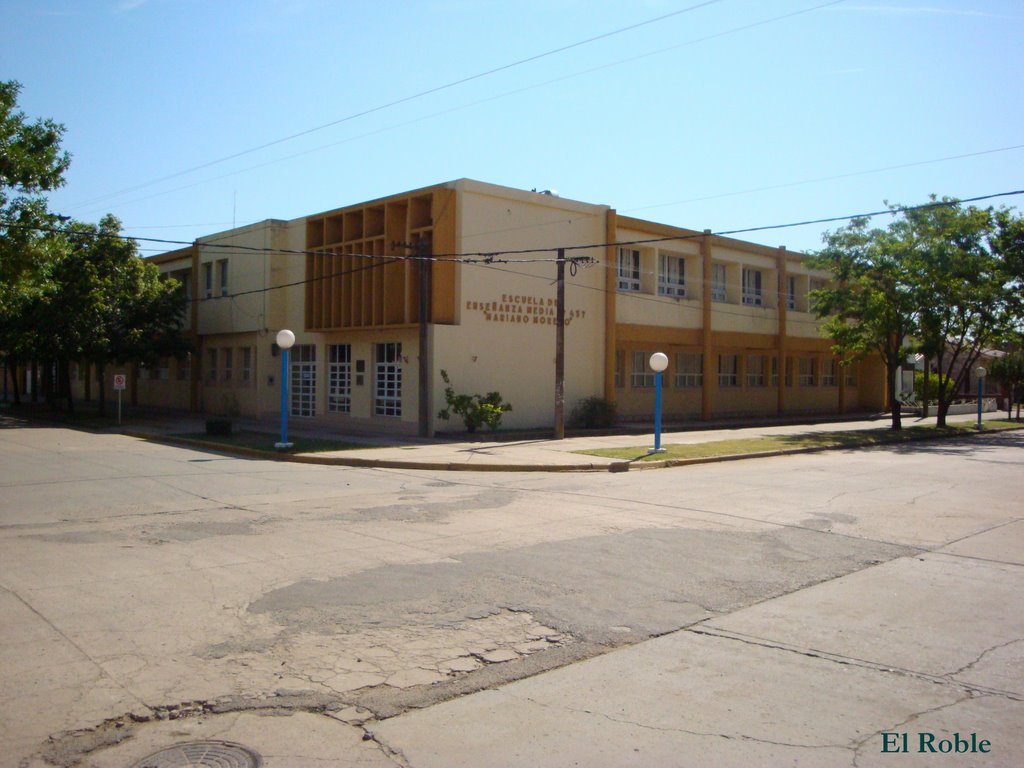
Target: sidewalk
x: 535, y: 455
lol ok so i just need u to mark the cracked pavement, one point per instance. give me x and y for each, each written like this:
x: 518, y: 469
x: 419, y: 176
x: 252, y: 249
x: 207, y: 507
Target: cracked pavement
x: 769, y: 611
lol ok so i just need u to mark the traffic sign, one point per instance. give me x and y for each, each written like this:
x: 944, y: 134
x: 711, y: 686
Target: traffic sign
x: 120, y: 381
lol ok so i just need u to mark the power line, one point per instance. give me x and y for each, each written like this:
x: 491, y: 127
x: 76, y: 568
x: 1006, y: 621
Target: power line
x: 406, y: 99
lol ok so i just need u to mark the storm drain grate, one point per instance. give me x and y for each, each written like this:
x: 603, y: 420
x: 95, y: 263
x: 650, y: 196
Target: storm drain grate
x: 202, y: 754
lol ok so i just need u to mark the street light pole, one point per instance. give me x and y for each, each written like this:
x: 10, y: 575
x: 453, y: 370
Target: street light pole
x: 980, y: 372
x: 658, y: 363
x: 285, y: 340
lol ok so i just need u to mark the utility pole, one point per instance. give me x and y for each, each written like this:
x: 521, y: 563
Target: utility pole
x: 423, y: 249
x: 560, y: 348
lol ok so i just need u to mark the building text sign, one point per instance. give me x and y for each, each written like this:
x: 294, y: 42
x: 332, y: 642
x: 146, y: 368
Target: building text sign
x: 521, y: 309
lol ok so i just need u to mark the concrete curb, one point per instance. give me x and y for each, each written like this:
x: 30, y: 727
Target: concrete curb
x: 623, y: 465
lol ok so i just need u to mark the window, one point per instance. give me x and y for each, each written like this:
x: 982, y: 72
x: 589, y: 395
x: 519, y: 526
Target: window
x: 728, y: 370
x: 641, y: 375
x: 246, y: 365
x: 163, y: 369
x: 814, y: 284
x: 775, y: 372
x: 229, y: 359
x: 752, y: 290
x: 789, y: 371
x: 718, y: 292
x: 620, y: 368
x: 339, y: 378
x: 689, y: 369
x: 208, y: 280
x: 628, y: 270
x: 185, y: 368
x: 388, y: 380
x: 756, y: 365
x: 211, y: 366
x: 828, y: 372
x: 302, y: 387
x: 671, y: 276
x: 851, y: 374
x: 806, y: 376
x: 223, y: 265
x: 790, y: 292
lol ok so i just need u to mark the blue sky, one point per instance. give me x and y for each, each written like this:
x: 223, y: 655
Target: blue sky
x: 722, y: 115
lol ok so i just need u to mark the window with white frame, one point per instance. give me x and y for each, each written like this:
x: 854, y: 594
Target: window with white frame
x: 828, y: 372
x: 246, y: 373
x: 211, y: 365
x: 388, y: 380
x: 339, y: 378
x: 641, y: 375
x: 628, y: 270
x: 728, y: 370
x: 208, y: 280
x: 718, y: 282
x: 302, y: 384
x: 228, y: 355
x: 223, y: 269
x: 775, y: 371
x: 806, y: 373
x: 753, y: 292
x: 756, y: 370
x: 671, y: 275
x: 689, y: 369
x: 790, y: 292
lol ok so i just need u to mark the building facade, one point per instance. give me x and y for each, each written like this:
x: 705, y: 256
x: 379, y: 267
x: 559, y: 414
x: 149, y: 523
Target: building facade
x: 732, y: 316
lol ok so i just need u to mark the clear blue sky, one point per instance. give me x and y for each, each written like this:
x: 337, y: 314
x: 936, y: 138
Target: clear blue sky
x: 676, y: 120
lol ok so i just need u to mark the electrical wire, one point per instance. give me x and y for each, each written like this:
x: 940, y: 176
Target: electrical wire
x: 406, y: 99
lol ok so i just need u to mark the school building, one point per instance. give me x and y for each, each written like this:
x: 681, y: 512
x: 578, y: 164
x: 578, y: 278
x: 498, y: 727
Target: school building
x: 351, y: 283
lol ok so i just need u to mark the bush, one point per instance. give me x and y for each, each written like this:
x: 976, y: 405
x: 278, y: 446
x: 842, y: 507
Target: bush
x: 593, y: 413
x: 474, y: 409
x: 933, y: 386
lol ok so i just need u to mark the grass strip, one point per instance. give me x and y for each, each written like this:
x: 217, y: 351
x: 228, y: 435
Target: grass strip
x: 823, y: 440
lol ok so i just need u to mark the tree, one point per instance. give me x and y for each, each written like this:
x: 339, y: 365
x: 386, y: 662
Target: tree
x: 103, y: 304
x: 966, y: 301
x: 941, y: 276
x: 31, y: 163
x: 870, y: 305
x: 1009, y: 369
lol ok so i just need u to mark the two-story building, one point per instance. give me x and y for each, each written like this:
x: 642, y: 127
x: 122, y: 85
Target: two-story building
x: 732, y: 316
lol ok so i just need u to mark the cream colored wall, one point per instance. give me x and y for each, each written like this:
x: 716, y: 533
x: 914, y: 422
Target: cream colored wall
x: 513, y: 352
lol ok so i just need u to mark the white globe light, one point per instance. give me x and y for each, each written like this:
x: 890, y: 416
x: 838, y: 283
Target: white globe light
x: 980, y: 372
x: 659, y: 362
x: 285, y: 339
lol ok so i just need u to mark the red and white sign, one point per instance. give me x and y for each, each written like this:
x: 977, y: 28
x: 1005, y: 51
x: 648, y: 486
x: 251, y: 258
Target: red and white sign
x: 120, y: 381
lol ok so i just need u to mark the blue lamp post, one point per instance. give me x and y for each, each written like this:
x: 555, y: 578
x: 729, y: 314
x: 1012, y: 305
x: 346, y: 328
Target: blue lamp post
x: 980, y: 372
x: 285, y: 340
x: 658, y: 363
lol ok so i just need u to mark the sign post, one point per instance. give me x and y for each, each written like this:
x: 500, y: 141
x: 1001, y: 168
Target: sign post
x: 120, y: 381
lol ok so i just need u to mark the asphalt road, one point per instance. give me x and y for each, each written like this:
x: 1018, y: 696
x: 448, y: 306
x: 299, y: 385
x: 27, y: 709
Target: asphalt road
x: 151, y: 594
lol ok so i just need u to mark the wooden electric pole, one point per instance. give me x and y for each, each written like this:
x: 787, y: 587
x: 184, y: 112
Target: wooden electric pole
x: 560, y: 348
x: 423, y: 249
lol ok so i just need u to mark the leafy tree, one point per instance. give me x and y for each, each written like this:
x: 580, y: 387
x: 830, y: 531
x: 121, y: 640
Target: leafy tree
x: 1009, y: 369
x: 31, y: 163
x: 870, y: 305
x: 103, y: 304
x: 944, y: 275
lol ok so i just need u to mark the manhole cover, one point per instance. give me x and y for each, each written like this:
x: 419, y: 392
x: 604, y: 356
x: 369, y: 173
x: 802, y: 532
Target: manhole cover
x: 202, y: 754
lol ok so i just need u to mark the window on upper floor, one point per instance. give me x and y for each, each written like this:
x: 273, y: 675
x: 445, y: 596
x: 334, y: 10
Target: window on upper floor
x: 628, y: 271
x: 718, y: 282
x: 753, y: 292
x: 223, y: 269
x: 671, y: 275
x: 791, y: 292
x: 208, y: 280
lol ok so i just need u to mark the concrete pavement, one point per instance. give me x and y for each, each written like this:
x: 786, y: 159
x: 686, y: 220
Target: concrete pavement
x: 764, y: 612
